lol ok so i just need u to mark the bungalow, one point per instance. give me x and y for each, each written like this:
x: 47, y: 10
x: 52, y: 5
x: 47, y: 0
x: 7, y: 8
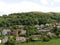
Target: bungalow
x: 35, y: 37
x: 14, y: 33
x: 51, y: 34
x: 20, y: 39
x: 22, y: 32
x: 45, y: 31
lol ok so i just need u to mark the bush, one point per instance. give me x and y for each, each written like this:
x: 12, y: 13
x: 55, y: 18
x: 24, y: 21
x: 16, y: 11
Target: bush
x: 45, y: 39
x: 11, y: 41
x: 50, y: 37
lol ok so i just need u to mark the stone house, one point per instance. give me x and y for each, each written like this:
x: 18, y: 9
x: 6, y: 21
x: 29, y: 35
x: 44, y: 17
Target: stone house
x: 51, y: 34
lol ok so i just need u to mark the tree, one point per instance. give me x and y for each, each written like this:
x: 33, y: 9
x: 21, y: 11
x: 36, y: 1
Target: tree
x: 11, y: 41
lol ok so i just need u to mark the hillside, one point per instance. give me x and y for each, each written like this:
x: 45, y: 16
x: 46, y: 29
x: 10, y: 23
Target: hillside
x: 28, y: 18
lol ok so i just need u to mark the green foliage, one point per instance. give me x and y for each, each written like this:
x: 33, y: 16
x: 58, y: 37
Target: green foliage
x: 30, y: 30
x: 52, y: 42
x: 45, y: 38
x: 11, y: 41
x: 30, y: 18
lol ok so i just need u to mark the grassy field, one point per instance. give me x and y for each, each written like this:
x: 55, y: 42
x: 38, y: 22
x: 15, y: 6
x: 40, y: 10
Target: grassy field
x: 52, y: 42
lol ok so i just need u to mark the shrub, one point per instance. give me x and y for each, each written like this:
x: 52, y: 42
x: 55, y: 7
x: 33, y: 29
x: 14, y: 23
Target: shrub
x: 45, y: 39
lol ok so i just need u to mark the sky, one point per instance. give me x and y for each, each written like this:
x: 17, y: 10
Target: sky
x: 15, y: 6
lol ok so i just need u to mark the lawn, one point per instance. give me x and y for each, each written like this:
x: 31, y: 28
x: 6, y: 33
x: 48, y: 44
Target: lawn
x: 52, y: 42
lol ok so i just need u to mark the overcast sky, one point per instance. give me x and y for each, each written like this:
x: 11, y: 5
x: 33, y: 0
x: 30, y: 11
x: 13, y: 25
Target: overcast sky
x: 12, y: 6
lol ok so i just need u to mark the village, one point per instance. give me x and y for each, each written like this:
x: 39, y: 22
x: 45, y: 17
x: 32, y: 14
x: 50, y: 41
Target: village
x: 20, y: 34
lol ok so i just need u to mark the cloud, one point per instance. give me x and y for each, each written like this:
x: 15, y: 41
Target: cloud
x: 57, y: 1
x: 26, y: 6
x: 23, y: 6
x: 44, y: 2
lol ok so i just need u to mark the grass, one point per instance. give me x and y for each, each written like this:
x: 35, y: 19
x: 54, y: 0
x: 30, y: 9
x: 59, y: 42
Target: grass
x: 52, y: 42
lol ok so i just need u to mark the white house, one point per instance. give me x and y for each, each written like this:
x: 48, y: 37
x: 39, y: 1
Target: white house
x: 35, y: 37
x: 20, y: 39
x: 23, y: 32
x: 44, y: 30
x: 5, y: 31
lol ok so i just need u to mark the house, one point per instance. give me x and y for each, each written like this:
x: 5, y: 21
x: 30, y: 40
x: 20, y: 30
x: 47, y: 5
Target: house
x: 22, y: 32
x: 43, y: 30
x: 5, y: 32
x: 35, y: 37
x: 14, y: 33
x: 20, y: 39
x: 51, y: 34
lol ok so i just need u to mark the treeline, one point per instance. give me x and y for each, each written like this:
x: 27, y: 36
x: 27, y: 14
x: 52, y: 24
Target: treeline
x: 28, y: 18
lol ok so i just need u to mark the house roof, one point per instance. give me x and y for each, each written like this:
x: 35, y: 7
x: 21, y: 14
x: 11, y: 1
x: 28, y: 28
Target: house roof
x: 44, y: 30
x: 36, y: 35
x: 6, y: 30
